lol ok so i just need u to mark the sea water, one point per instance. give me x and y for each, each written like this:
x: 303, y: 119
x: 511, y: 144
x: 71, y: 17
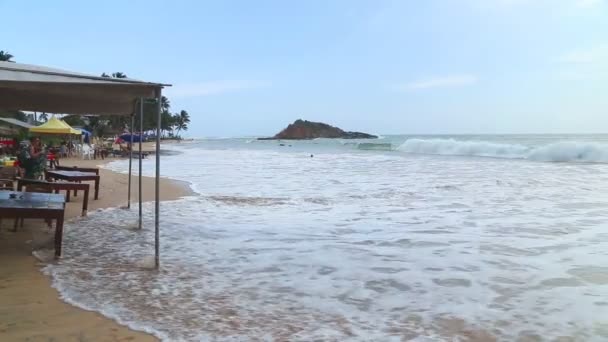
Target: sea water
x: 428, y: 238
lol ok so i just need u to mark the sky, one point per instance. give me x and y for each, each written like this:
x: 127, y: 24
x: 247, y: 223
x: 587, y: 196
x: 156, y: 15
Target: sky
x: 248, y: 68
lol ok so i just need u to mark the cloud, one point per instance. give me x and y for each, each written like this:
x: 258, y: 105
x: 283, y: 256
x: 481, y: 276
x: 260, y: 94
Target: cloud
x: 438, y: 82
x: 588, y: 3
x: 591, y: 55
x: 214, y: 88
x: 584, y: 64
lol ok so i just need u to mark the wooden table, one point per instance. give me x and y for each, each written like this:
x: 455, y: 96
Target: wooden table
x: 76, y: 168
x: 57, y: 186
x: 37, y: 206
x: 75, y: 176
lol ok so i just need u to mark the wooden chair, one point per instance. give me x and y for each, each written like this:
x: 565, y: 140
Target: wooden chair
x: 43, y: 188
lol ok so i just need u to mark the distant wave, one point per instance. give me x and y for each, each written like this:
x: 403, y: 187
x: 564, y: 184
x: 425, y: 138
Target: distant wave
x: 556, y: 152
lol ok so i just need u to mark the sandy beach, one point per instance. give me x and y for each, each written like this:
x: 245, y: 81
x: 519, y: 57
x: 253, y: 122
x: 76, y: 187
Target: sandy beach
x: 30, y: 309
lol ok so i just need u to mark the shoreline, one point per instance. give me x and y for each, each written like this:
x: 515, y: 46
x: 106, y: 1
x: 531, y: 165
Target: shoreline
x: 32, y: 309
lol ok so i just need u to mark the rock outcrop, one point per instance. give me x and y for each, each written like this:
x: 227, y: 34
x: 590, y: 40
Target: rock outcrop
x: 302, y: 129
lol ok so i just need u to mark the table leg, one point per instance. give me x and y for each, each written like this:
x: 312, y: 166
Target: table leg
x: 58, y: 236
x: 97, y: 187
x: 67, y: 197
x: 85, y: 203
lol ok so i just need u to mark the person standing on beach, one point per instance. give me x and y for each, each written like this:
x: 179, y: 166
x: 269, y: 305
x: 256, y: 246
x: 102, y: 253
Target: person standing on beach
x: 32, y: 159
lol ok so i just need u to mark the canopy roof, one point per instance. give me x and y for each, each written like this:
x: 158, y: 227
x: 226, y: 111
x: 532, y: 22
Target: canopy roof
x: 54, y: 126
x: 16, y: 122
x: 42, y: 89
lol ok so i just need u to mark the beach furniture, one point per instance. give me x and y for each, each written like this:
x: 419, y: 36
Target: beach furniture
x: 81, y: 169
x: 100, y: 152
x: 61, y: 186
x: 37, y: 206
x: 75, y: 176
x: 77, y: 168
x: 34, y: 187
x: 87, y: 152
x: 8, y: 174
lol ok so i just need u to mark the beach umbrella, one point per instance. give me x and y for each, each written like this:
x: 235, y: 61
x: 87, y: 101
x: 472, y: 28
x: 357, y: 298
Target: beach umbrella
x: 86, y: 136
x: 128, y: 137
x: 54, y: 126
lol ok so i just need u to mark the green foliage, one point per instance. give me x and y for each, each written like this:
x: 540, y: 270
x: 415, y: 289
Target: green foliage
x: 23, y: 134
x: 15, y: 114
x: 5, y: 56
x: 74, y: 120
x: 181, y: 122
x: 97, y: 125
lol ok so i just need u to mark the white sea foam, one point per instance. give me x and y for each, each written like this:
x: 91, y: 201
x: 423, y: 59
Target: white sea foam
x: 554, y: 152
x: 570, y: 151
x: 353, y: 247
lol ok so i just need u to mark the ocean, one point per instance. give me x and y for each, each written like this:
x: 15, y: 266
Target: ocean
x: 422, y: 238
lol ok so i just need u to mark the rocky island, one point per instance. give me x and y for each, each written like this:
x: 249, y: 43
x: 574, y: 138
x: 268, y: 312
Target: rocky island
x: 303, y: 129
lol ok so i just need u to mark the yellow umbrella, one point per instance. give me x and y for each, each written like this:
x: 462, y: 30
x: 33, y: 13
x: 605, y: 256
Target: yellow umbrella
x: 55, y: 126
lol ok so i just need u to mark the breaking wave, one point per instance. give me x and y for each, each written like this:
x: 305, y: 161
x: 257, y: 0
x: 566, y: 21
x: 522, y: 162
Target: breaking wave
x: 569, y: 151
x: 375, y: 146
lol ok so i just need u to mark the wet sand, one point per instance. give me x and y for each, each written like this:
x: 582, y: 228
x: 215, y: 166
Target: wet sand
x: 30, y: 309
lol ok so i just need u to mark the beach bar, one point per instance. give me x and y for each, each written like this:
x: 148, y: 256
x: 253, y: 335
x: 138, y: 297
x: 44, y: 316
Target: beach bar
x: 36, y: 88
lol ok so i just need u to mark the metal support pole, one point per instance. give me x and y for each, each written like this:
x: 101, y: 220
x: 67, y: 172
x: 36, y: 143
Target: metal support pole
x: 141, y: 137
x: 130, y: 163
x: 157, y: 189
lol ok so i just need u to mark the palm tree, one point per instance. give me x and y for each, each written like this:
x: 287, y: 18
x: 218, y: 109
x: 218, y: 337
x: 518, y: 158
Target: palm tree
x: 164, y: 103
x: 44, y: 117
x: 105, y: 75
x: 167, y: 121
x: 181, y: 121
x: 5, y: 56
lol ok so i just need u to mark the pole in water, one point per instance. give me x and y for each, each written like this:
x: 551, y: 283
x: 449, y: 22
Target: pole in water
x: 157, y: 184
x: 130, y: 164
x: 141, y: 136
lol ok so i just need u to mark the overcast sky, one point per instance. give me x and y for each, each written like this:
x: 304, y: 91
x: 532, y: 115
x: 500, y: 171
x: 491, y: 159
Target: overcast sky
x: 251, y: 67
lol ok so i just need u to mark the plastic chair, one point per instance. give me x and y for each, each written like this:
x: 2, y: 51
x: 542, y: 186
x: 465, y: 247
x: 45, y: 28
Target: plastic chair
x: 87, y: 152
